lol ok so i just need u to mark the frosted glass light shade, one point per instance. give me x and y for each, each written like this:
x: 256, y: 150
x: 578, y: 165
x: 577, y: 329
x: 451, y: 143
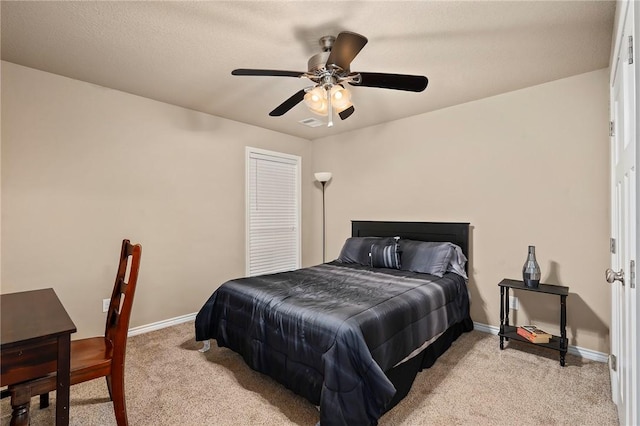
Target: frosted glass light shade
x: 340, y: 98
x: 323, y: 176
x: 316, y: 100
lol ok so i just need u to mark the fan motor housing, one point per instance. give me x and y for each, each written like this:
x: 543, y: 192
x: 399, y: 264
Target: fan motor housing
x: 317, y: 62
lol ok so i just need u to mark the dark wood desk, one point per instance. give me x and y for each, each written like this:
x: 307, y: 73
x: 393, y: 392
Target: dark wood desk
x: 35, y: 340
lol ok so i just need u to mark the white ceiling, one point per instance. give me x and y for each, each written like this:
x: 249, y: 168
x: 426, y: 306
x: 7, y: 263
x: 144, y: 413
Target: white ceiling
x: 182, y: 53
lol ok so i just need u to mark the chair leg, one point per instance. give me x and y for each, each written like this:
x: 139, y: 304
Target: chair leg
x: 109, y: 387
x: 119, y: 405
x: 44, y: 400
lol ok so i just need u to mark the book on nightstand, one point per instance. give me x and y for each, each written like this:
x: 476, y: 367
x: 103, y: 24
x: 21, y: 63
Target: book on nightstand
x: 533, y: 334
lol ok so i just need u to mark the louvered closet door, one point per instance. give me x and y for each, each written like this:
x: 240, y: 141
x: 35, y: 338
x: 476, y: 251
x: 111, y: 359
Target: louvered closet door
x: 273, y: 212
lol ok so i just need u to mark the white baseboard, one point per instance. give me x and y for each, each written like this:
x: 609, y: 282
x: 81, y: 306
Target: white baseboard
x: 161, y: 324
x: 484, y: 328
x: 573, y: 350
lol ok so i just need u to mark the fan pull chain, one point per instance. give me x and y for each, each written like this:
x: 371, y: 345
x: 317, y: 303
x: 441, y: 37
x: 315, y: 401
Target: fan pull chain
x: 330, y: 107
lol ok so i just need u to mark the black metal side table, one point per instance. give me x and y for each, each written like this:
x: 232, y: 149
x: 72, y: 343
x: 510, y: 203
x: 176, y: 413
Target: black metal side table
x: 507, y: 331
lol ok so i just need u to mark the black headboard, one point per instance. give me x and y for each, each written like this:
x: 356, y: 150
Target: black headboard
x: 454, y: 232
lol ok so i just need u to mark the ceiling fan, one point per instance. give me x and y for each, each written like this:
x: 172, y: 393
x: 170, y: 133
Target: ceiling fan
x: 329, y: 71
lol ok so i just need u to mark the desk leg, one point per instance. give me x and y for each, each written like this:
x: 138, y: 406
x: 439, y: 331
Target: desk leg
x: 63, y: 380
x: 20, y: 404
x: 563, y: 329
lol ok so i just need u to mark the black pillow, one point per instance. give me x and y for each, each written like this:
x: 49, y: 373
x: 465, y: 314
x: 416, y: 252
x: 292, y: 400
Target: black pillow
x: 356, y: 249
x: 385, y: 256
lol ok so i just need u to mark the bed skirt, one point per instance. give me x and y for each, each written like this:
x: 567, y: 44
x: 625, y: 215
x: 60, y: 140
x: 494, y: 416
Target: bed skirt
x: 403, y: 375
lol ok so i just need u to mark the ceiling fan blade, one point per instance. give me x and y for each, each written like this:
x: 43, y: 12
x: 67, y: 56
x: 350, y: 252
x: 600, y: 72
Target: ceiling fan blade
x: 345, y: 48
x: 288, y: 104
x: 273, y: 73
x: 344, y: 114
x: 411, y: 83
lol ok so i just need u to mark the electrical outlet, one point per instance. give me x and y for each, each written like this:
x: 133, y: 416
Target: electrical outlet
x: 105, y: 304
x: 513, y: 303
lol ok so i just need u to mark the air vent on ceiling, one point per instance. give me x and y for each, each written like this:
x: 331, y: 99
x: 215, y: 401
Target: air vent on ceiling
x: 311, y: 122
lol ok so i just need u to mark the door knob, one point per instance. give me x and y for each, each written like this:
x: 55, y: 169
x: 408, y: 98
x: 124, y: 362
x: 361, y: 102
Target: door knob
x: 612, y: 276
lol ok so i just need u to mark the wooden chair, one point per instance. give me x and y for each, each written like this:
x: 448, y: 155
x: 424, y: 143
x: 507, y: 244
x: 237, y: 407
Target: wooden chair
x: 95, y: 357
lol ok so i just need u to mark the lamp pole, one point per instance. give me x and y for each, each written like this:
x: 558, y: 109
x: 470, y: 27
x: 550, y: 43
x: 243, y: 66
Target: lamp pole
x: 323, y: 225
x: 323, y: 178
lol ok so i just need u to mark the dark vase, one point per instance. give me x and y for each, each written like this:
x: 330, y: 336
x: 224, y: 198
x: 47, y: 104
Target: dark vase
x: 531, y: 269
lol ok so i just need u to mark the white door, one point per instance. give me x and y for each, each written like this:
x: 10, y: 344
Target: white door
x: 273, y: 212
x: 624, y: 320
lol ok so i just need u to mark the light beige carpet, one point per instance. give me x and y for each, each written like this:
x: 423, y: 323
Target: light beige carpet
x: 169, y: 382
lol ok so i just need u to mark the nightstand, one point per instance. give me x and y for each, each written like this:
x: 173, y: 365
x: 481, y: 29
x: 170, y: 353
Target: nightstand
x: 507, y: 331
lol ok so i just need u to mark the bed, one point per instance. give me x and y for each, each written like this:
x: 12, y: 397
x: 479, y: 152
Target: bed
x: 350, y: 335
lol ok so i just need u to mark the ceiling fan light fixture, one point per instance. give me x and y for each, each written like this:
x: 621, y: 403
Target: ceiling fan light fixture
x: 322, y: 110
x: 316, y: 100
x: 340, y: 98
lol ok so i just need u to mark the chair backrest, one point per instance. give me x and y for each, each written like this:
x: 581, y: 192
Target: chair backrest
x: 122, y: 299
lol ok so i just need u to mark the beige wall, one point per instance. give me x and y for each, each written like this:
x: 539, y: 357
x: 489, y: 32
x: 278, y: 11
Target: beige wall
x: 526, y: 167
x: 84, y: 167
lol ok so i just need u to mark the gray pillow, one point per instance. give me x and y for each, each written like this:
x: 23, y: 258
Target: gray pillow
x: 385, y: 256
x: 356, y: 249
x: 426, y: 257
x: 458, y: 262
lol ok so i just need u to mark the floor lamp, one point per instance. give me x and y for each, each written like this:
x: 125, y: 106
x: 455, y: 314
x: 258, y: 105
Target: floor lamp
x: 323, y: 178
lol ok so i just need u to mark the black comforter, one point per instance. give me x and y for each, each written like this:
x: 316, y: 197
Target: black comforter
x: 329, y: 332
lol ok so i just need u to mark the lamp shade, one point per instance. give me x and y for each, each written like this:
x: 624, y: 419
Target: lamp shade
x: 340, y: 98
x: 323, y: 176
x: 316, y: 100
